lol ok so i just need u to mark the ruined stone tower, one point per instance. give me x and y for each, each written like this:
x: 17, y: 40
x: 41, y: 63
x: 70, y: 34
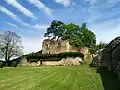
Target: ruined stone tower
x: 55, y: 47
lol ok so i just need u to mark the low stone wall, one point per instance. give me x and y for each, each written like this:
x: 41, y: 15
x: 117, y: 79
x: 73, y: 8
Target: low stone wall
x: 34, y: 63
x: 71, y: 61
x: 50, y: 63
x: 67, y: 61
x: 23, y: 62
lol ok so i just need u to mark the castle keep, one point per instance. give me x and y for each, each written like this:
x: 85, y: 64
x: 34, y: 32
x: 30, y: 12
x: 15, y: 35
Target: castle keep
x: 55, y: 47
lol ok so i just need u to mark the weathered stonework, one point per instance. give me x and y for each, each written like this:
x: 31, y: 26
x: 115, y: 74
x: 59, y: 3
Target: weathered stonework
x: 115, y: 63
x: 55, y: 47
x: 71, y: 61
x: 110, y: 56
x: 23, y: 62
x: 63, y: 62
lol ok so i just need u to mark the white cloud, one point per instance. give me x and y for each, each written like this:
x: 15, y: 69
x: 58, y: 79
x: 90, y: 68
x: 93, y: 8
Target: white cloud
x: 16, y: 18
x: 37, y: 26
x: 11, y: 24
x: 1, y: 31
x: 32, y: 44
x: 12, y: 15
x: 9, y: 13
x: 107, y: 30
x: 112, y: 1
x: 23, y: 10
x: 66, y: 3
x: 92, y: 2
x: 41, y: 6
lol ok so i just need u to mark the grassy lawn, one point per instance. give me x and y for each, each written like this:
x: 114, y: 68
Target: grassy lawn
x: 51, y: 78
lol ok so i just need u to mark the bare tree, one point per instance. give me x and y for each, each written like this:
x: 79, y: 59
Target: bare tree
x: 10, y: 45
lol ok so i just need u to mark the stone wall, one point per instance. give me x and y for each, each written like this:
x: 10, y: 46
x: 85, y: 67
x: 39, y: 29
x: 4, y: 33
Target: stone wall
x: 116, y: 60
x: 23, y: 62
x: 63, y: 62
x: 71, y: 61
x: 110, y: 56
x: 55, y: 47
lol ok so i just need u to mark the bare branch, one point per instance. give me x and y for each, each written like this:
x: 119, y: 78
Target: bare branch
x: 10, y: 45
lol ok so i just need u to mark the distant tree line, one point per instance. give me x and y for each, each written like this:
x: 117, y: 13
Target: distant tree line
x: 97, y: 47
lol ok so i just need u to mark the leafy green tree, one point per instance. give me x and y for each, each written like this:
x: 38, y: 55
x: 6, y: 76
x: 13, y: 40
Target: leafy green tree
x: 88, y: 37
x: 72, y: 33
x: 11, y: 45
x: 77, y: 36
x: 97, y: 47
x: 101, y: 45
x: 55, y: 30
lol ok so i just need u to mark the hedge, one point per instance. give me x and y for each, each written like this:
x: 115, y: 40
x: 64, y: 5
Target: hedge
x: 1, y: 64
x: 52, y: 57
x: 71, y: 54
x: 11, y: 63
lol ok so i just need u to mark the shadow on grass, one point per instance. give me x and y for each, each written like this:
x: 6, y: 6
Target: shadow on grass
x: 109, y: 79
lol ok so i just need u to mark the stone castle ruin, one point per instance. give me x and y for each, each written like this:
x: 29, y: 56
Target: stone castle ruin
x: 54, y: 47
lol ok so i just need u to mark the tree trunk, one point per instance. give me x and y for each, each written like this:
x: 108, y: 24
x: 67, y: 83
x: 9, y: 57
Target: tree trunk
x: 40, y: 62
x: 7, y: 63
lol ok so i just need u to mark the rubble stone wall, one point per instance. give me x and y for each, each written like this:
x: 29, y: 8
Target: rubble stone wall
x: 111, y: 56
x: 63, y: 62
x: 55, y: 47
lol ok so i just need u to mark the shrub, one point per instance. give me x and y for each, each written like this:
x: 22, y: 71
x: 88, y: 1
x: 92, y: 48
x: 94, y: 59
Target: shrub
x: 1, y: 64
x: 52, y: 57
x: 71, y: 54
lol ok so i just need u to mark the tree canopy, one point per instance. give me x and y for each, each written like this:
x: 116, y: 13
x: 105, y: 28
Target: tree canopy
x: 98, y: 47
x: 10, y: 45
x: 55, y: 30
x: 77, y: 36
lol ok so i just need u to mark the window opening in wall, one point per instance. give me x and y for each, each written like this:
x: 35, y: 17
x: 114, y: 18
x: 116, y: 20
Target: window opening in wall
x: 48, y: 45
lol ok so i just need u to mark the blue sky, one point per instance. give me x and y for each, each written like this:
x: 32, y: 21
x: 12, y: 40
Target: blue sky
x: 30, y: 18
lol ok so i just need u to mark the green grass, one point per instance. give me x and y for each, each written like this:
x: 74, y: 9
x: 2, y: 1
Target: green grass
x: 51, y: 78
